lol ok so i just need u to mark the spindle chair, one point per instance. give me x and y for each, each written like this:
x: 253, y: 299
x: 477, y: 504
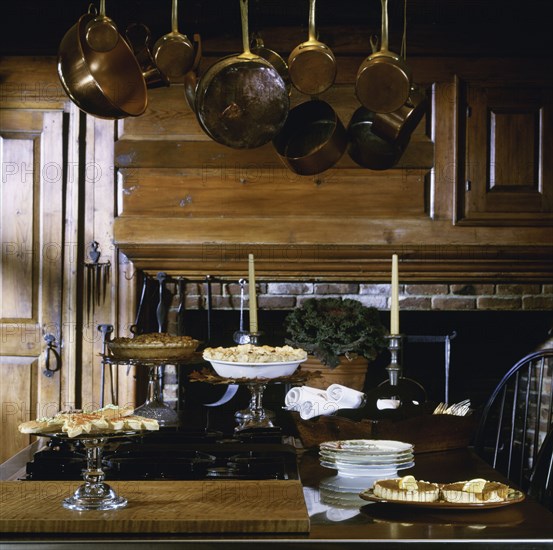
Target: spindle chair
x: 541, y: 480
x: 517, y: 417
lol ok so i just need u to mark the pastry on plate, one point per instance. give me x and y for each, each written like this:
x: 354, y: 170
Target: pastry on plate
x: 475, y: 491
x: 406, y: 489
x: 109, y: 419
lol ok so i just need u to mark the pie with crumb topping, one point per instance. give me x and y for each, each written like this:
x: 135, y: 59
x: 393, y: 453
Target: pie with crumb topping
x: 248, y: 353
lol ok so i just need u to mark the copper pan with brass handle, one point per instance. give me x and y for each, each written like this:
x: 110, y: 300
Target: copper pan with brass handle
x: 174, y: 52
x: 312, y: 65
x: 241, y: 101
x: 383, y: 80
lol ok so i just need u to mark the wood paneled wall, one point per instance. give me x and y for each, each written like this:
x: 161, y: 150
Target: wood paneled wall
x: 191, y: 206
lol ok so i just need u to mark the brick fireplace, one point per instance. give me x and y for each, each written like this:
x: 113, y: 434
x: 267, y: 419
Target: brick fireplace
x: 491, y: 325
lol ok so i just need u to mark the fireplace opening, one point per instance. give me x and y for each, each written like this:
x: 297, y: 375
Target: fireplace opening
x: 484, y: 345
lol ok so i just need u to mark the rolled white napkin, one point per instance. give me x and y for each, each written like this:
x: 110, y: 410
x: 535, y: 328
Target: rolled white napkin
x: 382, y: 404
x: 346, y: 398
x: 309, y: 402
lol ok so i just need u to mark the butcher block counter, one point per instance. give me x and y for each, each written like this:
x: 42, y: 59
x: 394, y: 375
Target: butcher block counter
x: 222, y: 506
x: 230, y: 514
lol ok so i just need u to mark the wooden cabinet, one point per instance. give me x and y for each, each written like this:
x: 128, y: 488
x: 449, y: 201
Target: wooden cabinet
x: 505, y: 140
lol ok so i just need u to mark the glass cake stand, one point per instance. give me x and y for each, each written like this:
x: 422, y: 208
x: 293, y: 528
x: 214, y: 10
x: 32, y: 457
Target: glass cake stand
x: 94, y: 494
x: 154, y: 406
x: 255, y: 415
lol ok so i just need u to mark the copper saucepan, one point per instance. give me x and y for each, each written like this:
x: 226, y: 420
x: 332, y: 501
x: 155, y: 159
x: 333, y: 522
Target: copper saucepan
x: 366, y: 148
x: 173, y: 52
x: 258, y: 48
x: 312, y: 65
x: 313, y: 138
x: 101, y: 33
x: 241, y: 100
x: 192, y: 77
x: 138, y: 36
x: 383, y: 79
x: 103, y: 84
x: 397, y: 126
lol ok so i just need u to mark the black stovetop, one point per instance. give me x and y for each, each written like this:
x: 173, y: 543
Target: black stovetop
x: 173, y: 454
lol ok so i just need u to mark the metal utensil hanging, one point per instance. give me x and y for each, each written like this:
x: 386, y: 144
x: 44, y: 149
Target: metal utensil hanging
x: 106, y: 330
x: 97, y: 275
x: 241, y: 336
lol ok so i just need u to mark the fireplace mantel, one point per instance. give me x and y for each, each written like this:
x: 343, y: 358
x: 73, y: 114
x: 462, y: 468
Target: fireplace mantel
x: 314, y: 249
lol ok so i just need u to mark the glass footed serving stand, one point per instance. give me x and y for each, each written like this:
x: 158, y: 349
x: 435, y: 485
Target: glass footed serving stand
x: 154, y: 406
x: 255, y: 416
x: 94, y: 494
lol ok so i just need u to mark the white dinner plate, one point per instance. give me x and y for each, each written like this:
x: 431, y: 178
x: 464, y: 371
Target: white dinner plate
x: 372, y: 447
x: 365, y: 471
x: 367, y: 459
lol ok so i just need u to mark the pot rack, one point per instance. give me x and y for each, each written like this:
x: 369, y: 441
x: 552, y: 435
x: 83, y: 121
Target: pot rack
x: 306, y: 160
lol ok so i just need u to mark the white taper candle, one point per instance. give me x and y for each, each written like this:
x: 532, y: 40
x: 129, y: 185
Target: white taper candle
x: 394, y: 307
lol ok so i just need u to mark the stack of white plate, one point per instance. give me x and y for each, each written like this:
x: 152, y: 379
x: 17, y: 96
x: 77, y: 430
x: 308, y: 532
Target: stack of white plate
x: 367, y: 457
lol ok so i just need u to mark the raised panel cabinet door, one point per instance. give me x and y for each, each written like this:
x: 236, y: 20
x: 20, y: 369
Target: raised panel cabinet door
x: 507, y: 173
x: 31, y: 185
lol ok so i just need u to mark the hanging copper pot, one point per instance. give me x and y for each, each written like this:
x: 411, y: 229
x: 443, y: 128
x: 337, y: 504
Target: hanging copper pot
x: 366, y: 148
x: 397, y: 126
x: 103, y: 84
x: 312, y: 65
x: 241, y: 101
x: 313, y: 138
x: 258, y: 48
x: 138, y: 37
x: 101, y: 33
x: 173, y: 52
x: 383, y: 79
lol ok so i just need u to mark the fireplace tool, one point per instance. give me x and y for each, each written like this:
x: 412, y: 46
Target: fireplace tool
x: 97, y: 278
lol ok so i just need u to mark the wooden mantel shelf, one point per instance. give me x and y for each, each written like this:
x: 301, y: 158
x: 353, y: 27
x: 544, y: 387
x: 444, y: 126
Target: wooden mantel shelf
x: 312, y: 248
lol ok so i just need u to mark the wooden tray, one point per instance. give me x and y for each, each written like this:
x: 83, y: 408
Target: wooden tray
x: 426, y: 432
x: 217, y: 506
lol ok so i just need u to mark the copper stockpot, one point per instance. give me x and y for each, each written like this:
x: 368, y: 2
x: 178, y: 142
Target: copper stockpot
x: 383, y: 79
x: 313, y: 138
x: 103, y: 84
x: 241, y: 101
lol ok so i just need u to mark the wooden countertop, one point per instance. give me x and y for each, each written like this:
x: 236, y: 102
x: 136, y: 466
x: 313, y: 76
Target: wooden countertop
x: 214, y: 506
x: 525, y: 525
